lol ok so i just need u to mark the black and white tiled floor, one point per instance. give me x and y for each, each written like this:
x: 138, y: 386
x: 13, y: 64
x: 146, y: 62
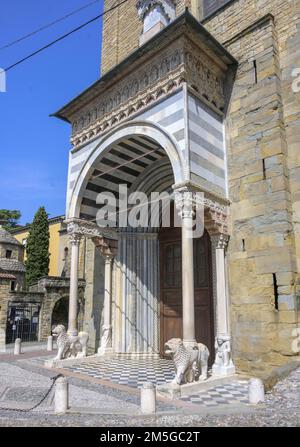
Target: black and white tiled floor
x: 133, y: 372
x: 233, y: 392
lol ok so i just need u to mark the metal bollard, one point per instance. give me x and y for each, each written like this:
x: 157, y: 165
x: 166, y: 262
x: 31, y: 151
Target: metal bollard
x: 256, y: 391
x: 50, y: 343
x: 148, y: 398
x: 17, y: 349
x: 61, y: 397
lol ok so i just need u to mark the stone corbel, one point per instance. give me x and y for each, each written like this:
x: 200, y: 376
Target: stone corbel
x: 107, y: 247
x: 216, y: 217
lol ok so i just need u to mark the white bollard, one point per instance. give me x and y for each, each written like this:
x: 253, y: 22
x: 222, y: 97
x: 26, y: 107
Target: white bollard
x: 256, y: 391
x: 148, y: 398
x: 61, y: 397
x: 17, y: 350
x: 50, y: 343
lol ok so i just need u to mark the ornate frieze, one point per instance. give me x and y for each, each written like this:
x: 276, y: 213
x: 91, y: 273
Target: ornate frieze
x: 77, y: 228
x: 183, y: 61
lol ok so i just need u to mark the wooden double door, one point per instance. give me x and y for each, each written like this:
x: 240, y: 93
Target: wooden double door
x: 171, y: 289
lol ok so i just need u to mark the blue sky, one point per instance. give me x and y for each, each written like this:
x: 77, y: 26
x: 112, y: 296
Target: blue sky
x: 34, y: 147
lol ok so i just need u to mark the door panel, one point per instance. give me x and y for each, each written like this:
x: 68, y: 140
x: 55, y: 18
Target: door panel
x: 171, y: 289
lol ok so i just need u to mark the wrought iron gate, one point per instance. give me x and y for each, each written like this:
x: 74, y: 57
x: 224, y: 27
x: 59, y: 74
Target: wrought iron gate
x: 22, y: 321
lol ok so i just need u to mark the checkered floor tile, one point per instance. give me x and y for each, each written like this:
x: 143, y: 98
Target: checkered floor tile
x: 130, y: 372
x: 133, y: 372
x: 233, y: 392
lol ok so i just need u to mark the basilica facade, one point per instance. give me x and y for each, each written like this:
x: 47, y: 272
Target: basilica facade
x: 197, y: 99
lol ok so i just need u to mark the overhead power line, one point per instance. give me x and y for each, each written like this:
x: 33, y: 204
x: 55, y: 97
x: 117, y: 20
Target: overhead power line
x: 42, y: 28
x: 29, y: 56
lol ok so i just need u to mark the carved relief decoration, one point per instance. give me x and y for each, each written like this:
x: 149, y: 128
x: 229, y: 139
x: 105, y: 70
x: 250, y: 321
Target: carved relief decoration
x: 79, y: 227
x: 165, y: 73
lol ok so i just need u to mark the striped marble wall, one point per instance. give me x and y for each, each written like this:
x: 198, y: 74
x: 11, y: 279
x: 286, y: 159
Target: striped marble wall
x: 207, y: 147
x: 167, y: 114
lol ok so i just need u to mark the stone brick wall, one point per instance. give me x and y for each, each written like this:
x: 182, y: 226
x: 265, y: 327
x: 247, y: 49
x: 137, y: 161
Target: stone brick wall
x: 4, y: 292
x: 121, y: 31
x: 264, y: 177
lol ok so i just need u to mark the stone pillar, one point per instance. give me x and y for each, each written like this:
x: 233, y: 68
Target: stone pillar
x: 223, y: 364
x: 73, y: 299
x: 185, y: 204
x: 106, y: 339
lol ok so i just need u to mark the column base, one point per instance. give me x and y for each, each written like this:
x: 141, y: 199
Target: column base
x: 223, y: 370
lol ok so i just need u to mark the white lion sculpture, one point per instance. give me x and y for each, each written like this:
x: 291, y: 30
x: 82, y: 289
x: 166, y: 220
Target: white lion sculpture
x: 191, y: 362
x: 68, y: 344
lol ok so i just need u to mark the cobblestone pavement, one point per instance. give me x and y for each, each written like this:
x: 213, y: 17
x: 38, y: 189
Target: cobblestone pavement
x: 23, y: 382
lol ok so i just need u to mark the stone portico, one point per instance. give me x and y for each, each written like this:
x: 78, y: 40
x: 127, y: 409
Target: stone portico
x: 170, y: 115
x: 154, y: 123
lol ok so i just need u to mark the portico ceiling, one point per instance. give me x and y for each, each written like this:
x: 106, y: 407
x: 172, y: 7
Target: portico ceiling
x: 138, y: 162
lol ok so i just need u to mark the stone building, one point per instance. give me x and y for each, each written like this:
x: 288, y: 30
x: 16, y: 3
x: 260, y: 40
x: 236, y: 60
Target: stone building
x: 30, y: 314
x: 195, y: 96
x: 12, y: 271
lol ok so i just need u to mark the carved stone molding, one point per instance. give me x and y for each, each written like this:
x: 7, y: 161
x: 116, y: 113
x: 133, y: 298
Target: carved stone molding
x: 77, y: 228
x: 183, y: 61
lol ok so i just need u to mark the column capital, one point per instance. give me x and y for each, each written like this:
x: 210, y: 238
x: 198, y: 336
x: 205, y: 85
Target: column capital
x: 74, y: 238
x: 186, y: 201
x: 219, y: 240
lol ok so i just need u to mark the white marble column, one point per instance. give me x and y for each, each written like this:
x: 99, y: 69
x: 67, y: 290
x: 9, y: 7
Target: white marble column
x: 106, y: 339
x: 223, y: 364
x: 73, y: 299
x: 185, y: 204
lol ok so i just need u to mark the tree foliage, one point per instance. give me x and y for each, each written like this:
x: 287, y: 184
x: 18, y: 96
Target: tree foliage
x: 11, y: 218
x: 37, y: 248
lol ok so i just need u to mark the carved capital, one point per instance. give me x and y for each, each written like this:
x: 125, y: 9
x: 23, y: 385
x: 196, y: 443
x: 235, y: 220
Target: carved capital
x: 187, y: 202
x: 219, y: 241
x: 74, y: 238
